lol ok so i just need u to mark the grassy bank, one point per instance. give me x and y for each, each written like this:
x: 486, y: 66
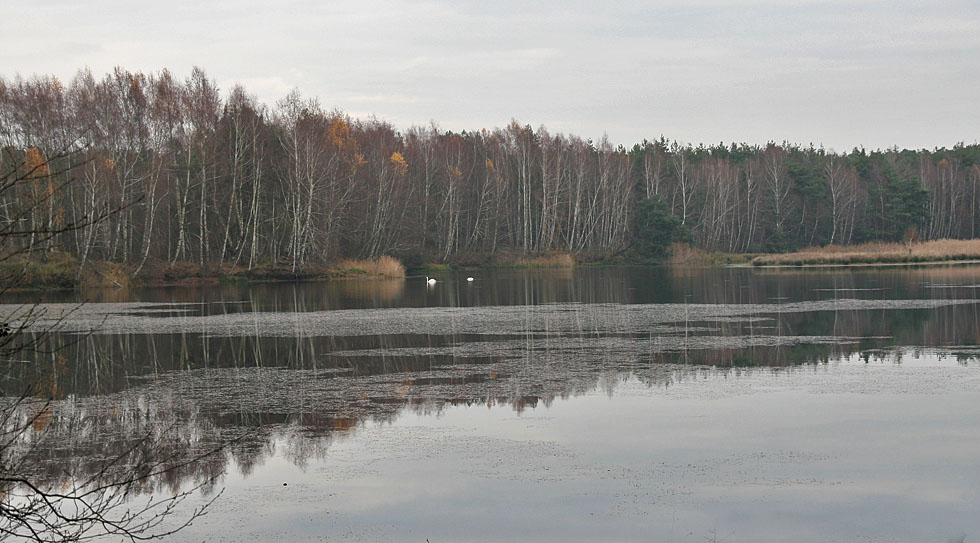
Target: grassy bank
x: 683, y: 254
x: 57, y: 270
x: 555, y: 260
x: 943, y: 250
x: 61, y: 271
x: 384, y: 266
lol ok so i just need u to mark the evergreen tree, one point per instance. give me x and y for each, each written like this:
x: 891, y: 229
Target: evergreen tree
x: 654, y: 229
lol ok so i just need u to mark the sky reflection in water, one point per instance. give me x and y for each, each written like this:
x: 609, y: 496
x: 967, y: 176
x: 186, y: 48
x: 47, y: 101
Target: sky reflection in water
x: 815, y: 453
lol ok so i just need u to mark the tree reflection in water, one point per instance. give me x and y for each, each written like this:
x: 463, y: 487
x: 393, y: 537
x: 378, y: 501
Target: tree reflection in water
x: 293, y: 387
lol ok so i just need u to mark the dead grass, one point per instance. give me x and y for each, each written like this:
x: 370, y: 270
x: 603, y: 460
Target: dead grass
x: 682, y: 254
x: 941, y: 250
x: 106, y: 275
x: 384, y: 266
x: 553, y: 260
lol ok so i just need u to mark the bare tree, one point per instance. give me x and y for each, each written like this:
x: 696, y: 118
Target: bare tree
x: 842, y: 183
x: 685, y: 188
x: 778, y: 182
x: 225, y: 183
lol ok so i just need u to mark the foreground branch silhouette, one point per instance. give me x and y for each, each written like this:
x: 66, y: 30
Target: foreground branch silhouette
x: 108, y: 500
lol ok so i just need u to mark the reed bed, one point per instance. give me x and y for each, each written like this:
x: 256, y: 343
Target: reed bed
x: 941, y: 250
x: 556, y: 260
x: 683, y: 254
x: 384, y: 266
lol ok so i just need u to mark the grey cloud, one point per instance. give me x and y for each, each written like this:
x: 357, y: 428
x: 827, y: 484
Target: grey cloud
x: 843, y: 73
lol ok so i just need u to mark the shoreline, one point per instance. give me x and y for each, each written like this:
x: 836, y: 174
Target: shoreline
x: 59, y: 272
x: 909, y: 253
x: 105, y: 275
x: 908, y: 264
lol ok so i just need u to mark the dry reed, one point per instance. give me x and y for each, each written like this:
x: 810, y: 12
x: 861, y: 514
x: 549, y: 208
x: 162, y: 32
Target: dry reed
x: 556, y: 260
x: 941, y: 250
x: 384, y: 266
x: 682, y: 254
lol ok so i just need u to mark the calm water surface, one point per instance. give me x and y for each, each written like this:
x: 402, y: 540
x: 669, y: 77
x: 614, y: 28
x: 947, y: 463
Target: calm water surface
x: 602, y: 404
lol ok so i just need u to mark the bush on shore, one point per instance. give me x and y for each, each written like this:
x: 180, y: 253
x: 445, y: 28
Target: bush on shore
x: 59, y: 270
x: 48, y: 270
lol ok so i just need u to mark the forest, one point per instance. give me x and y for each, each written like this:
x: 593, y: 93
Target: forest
x: 180, y: 172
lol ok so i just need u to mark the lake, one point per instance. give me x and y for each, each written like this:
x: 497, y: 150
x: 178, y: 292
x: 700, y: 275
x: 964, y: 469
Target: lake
x: 594, y: 404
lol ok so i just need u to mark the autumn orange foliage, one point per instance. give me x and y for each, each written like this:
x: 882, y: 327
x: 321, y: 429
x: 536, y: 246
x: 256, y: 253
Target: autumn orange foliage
x: 35, y: 165
x: 401, y: 167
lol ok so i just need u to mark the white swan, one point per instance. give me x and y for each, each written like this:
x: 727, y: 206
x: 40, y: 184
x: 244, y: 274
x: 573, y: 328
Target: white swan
x: 469, y: 279
x: 430, y: 280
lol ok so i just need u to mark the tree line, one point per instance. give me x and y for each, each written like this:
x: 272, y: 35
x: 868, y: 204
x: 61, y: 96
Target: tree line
x: 184, y: 173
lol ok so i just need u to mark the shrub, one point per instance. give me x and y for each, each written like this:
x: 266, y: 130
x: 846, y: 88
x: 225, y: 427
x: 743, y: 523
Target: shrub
x: 52, y: 270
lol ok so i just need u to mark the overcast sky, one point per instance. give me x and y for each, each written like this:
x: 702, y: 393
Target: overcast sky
x: 837, y: 73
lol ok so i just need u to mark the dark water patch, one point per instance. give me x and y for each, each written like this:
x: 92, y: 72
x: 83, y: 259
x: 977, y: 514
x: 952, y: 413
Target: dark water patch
x: 843, y: 289
x: 101, y: 363
x: 625, y: 347
x: 439, y: 321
